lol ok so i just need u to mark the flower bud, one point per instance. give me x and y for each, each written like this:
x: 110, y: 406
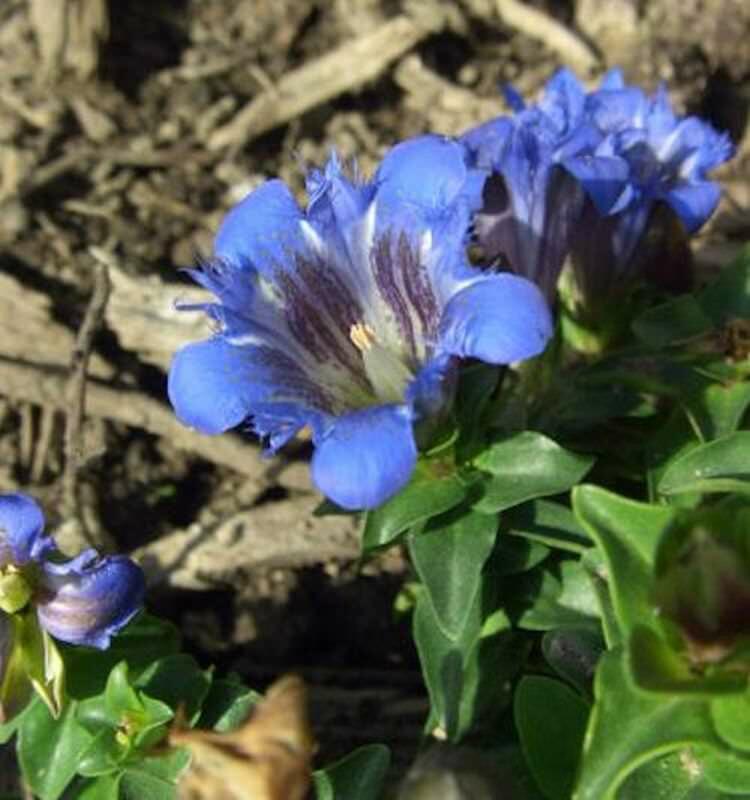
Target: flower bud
x: 703, y: 579
x: 15, y: 591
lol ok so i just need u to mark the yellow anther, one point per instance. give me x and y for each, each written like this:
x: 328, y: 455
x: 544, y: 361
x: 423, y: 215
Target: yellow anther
x: 362, y: 336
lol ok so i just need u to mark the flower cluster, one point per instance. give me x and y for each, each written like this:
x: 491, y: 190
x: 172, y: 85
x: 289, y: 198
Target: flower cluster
x: 348, y: 319
x: 585, y: 174
x: 84, y: 600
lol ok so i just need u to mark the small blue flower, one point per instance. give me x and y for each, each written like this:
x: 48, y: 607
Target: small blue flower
x: 581, y: 173
x: 348, y: 319
x: 81, y: 601
x: 668, y: 159
x: 533, y: 199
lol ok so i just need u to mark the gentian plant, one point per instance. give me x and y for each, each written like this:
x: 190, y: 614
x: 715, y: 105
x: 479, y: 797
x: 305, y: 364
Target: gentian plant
x: 576, y: 524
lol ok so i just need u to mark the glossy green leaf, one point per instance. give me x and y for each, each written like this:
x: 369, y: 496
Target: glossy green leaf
x: 525, y: 466
x: 677, y: 320
x: 556, y: 596
x: 227, y: 705
x: 176, y: 680
x: 468, y: 678
x: 49, y: 749
x: 442, y: 663
x: 731, y: 716
x: 627, y: 534
x: 629, y: 727
x: 718, y: 409
x: 655, y: 667
x: 551, y: 722
x: 719, y: 466
x: 423, y: 498
x: 140, y: 643
x: 728, y: 772
x: 358, y: 776
x: 106, y: 787
x: 449, y: 555
x: 548, y: 523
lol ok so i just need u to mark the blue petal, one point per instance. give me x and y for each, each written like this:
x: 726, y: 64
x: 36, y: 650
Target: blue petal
x: 262, y: 229
x: 211, y: 385
x: 604, y: 178
x: 366, y: 457
x: 88, y: 599
x: 693, y: 203
x: 21, y: 530
x: 336, y: 200
x: 432, y: 391
x: 497, y: 319
x: 563, y: 99
x: 486, y: 142
x: 513, y: 98
x: 427, y: 172
x: 613, y: 79
x: 616, y: 110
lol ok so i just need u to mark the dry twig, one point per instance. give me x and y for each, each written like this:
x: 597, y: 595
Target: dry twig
x: 571, y: 48
x: 45, y: 385
x: 75, y: 395
x: 346, y: 68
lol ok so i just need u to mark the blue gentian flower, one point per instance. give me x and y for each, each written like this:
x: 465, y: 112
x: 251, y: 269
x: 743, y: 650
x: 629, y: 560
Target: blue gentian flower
x: 348, y: 319
x: 84, y: 600
x: 581, y: 173
x: 534, y: 197
x: 668, y: 159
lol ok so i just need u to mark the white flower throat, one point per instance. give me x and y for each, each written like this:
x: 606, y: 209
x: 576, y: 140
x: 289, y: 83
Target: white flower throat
x: 386, y: 372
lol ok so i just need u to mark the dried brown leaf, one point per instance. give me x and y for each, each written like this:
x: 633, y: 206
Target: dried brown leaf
x: 268, y: 758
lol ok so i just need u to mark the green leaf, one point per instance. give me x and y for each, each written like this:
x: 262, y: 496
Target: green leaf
x: 719, y: 466
x: 629, y: 727
x: 514, y: 554
x: 449, y: 555
x: 106, y: 787
x: 731, y: 716
x: 358, y: 776
x: 140, y: 643
x: 677, y: 320
x: 49, y: 750
x: 728, y: 297
x: 655, y: 667
x: 467, y: 679
x: 627, y: 534
x: 424, y: 497
x: 548, y: 523
x: 524, y: 466
x: 559, y: 595
x: 672, y: 777
x: 718, y: 410
x: 476, y: 385
x: 176, y: 680
x: 725, y: 771
x: 227, y: 705
x: 551, y: 722
x: 442, y: 664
